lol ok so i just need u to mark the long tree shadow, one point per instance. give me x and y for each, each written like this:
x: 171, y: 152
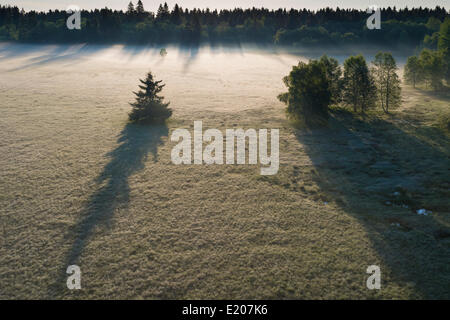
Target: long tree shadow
x: 381, y: 174
x: 135, y: 143
x: 442, y: 94
x: 60, y: 54
x: 190, y: 54
x: 10, y: 50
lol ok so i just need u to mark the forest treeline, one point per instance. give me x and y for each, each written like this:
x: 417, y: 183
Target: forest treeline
x: 431, y: 66
x: 324, y: 27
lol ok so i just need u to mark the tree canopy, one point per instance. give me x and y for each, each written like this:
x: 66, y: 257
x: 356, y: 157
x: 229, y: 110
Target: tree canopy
x: 309, y: 93
x: 387, y: 81
x: 359, y: 85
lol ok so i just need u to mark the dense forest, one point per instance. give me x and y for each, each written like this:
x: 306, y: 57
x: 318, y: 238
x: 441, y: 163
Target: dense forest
x: 400, y: 27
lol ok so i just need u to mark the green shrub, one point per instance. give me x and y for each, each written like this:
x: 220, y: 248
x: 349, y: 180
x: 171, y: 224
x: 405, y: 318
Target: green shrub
x: 309, y: 92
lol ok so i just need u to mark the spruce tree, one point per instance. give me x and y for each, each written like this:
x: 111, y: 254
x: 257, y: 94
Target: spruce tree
x: 131, y: 9
x: 176, y: 15
x: 140, y: 7
x: 160, y: 12
x: 149, y: 106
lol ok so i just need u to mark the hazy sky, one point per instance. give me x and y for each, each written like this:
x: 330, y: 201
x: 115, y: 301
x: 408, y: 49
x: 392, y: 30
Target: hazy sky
x: 153, y: 4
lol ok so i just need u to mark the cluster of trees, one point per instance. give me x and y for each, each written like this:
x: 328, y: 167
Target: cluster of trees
x: 314, y: 86
x: 432, y: 66
x: 286, y: 27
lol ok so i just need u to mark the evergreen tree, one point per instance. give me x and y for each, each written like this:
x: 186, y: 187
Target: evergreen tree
x: 166, y: 8
x: 359, y: 88
x: 413, y: 71
x: 176, y: 15
x: 160, y: 12
x: 163, y: 12
x: 149, y: 107
x: 386, y: 80
x: 131, y: 9
x: 140, y: 7
x: 194, y: 29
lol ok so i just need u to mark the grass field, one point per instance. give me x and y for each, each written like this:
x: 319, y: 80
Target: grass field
x: 78, y: 185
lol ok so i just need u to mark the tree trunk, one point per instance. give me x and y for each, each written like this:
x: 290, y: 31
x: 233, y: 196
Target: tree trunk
x: 387, y: 95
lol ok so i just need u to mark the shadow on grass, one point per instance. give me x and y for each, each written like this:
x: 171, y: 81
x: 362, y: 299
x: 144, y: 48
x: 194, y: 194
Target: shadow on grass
x: 442, y: 94
x: 135, y: 143
x: 190, y: 54
x: 381, y: 174
x: 60, y: 53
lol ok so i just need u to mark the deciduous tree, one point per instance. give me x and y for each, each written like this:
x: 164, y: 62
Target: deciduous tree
x: 309, y: 94
x: 334, y: 75
x: 359, y: 89
x: 387, y: 81
x: 432, y: 63
x: 413, y: 71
